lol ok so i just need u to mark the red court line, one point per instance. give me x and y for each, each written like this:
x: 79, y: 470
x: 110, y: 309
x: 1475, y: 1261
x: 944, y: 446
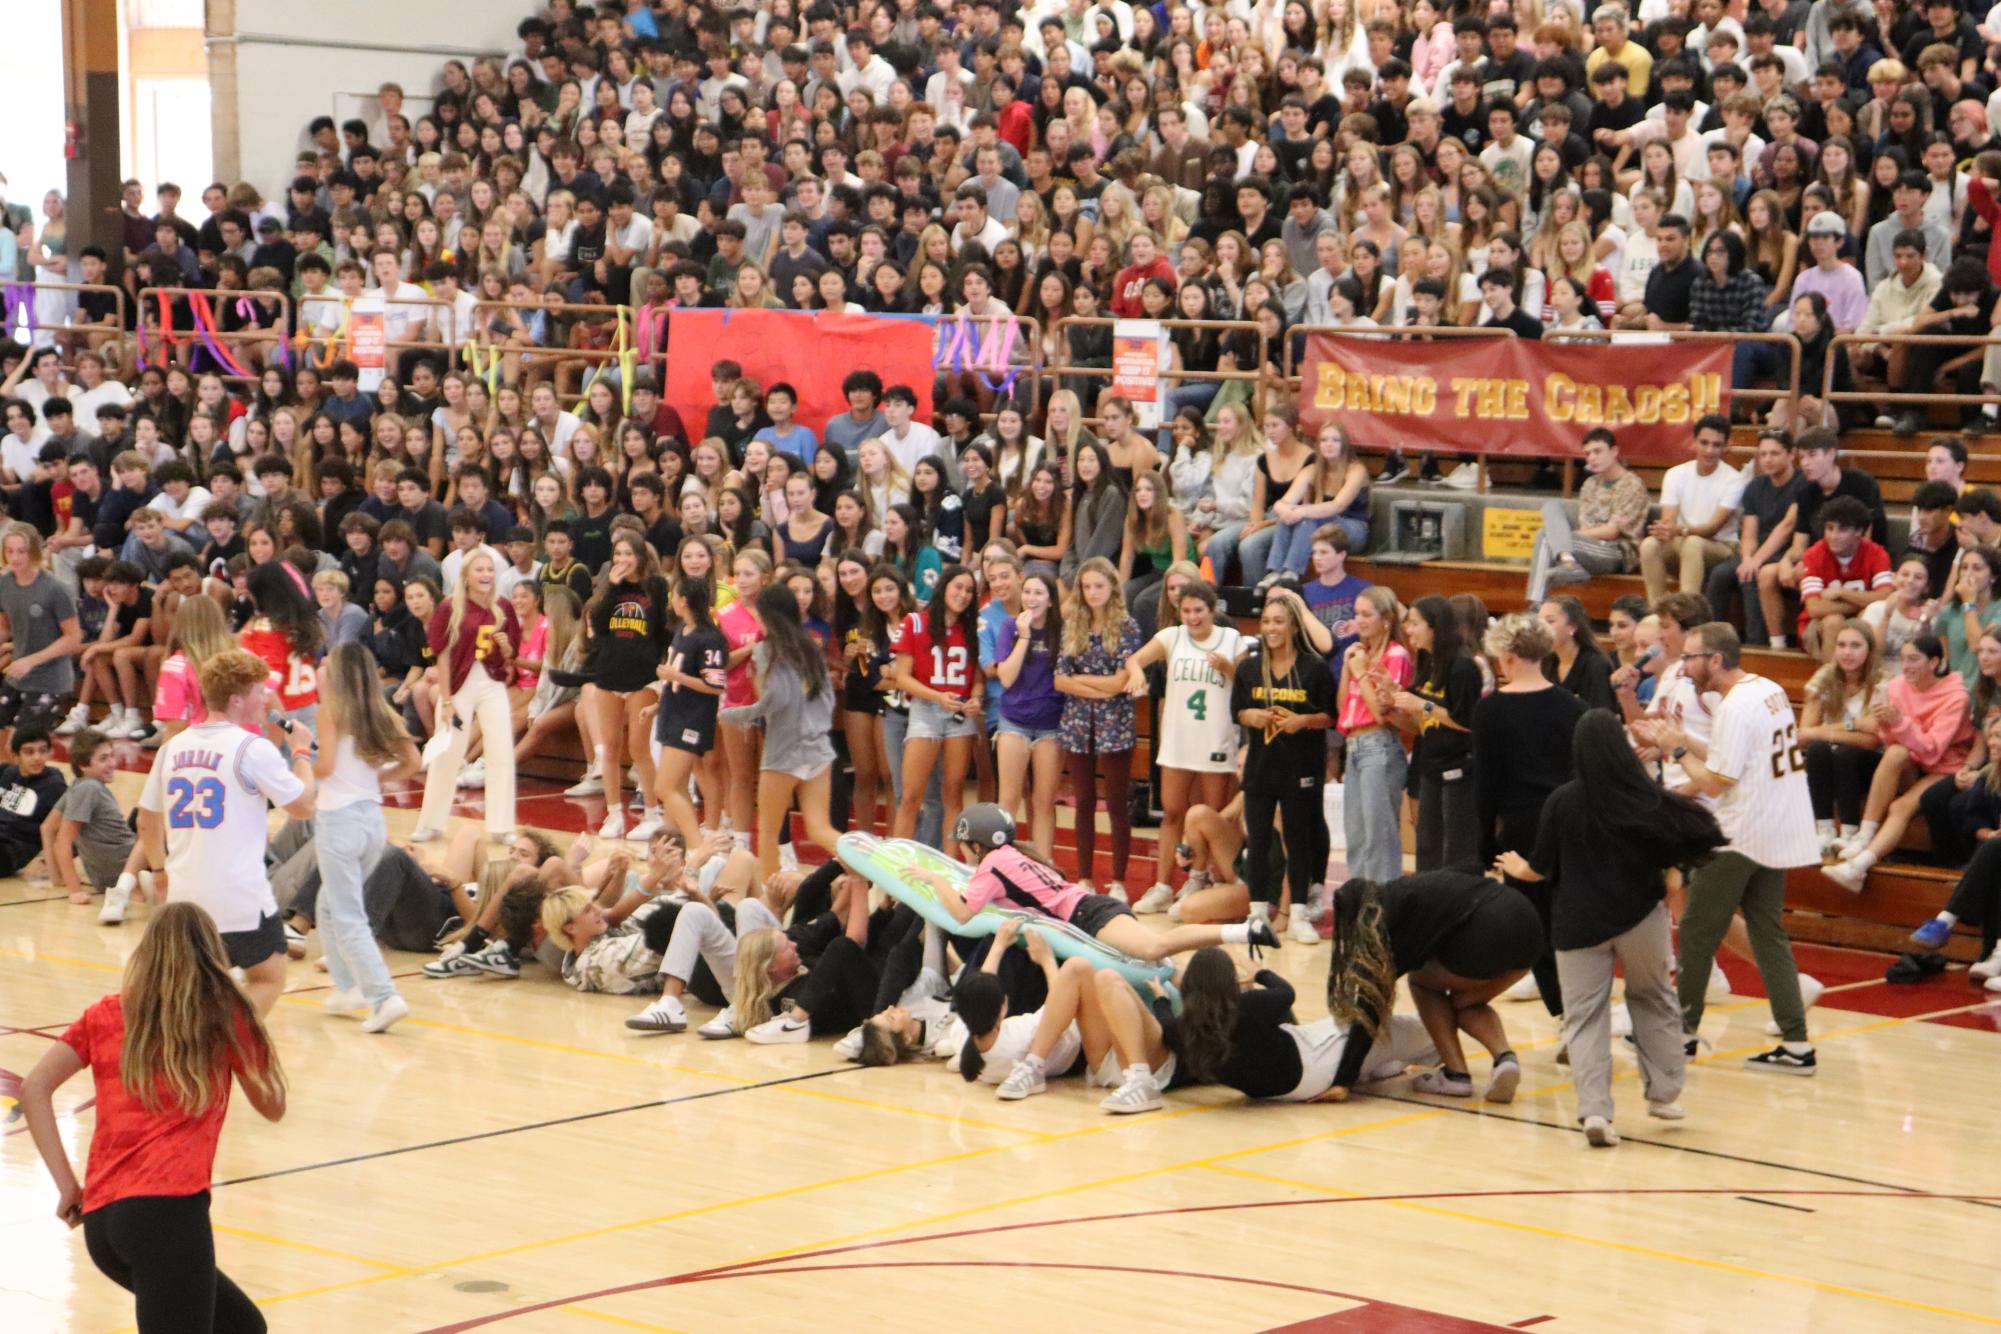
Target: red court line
x: 753, y: 1267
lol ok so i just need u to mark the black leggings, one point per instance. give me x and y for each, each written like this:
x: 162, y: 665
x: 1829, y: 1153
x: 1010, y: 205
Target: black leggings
x: 1298, y: 812
x: 1977, y: 897
x: 1110, y: 776
x: 1837, y: 778
x: 159, y: 1248
x: 839, y: 989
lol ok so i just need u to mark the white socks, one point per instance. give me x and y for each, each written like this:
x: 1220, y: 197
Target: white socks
x: 1863, y: 860
x: 1867, y: 830
x: 1237, y: 933
x: 1951, y: 919
x: 1826, y: 828
x: 1778, y: 641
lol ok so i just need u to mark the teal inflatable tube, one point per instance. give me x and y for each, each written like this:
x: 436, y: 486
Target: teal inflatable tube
x: 887, y: 863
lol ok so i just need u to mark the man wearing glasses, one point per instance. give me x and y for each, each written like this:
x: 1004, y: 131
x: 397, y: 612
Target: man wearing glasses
x: 1755, y: 767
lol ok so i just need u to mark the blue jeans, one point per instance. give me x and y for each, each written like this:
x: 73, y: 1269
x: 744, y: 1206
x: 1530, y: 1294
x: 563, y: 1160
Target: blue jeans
x: 1222, y: 549
x: 1199, y: 394
x: 1294, y: 548
x: 1371, y: 799
x: 931, y: 819
x: 1254, y: 552
x: 348, y: 842
x: 1751, y: 362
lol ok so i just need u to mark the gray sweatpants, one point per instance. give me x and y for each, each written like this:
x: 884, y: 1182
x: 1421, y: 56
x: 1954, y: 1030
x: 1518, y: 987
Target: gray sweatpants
x: 700, y: 936
x: 1557, y: 539
x: 1646, y: 952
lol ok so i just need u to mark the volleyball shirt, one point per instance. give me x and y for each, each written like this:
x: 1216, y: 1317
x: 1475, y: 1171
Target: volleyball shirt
x: 946, y: 665
x: 1198, y: 731
x: 210, y: 785
x: 1058, y: 897
x: 298, y: 683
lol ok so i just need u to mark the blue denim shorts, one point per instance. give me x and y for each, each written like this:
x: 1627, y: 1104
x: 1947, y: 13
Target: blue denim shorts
x: 1032, y: 735
x: 932, y: 722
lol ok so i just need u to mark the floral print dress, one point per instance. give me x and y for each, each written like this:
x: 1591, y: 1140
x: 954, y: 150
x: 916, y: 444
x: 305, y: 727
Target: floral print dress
x: 1099, y: 726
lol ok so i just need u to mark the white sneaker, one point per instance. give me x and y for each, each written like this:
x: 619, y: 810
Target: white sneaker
x: 423, y: 835
x: 788, y: 856
x: 666, y: 1015
x: 116, y: 900
x: 1829, y: 842
x: 1140, y: 1093
x: 473, y: 775
x: 786, y: 1030
x: 614, y: 824
x: 590, y: 785
x: 385, y: 1013
x: 114, y: 722
x: 1718, y: 987
x: 722, y: 1026
x: 1811, y: 990
x: 1848, y: 875
x: 1622, y: 1020
x: 1302, y: 930
x: 1599, y: 1134
x: 1851, y: 843
x: 154, y: 737
x: 1156, y: 900
x: 1666, y: 1111
x: 849, y: 1047
x: 1260, y: 911
x: 136, y: 727
x: 77, y: 719
x: 1024, y: 1081
x: 1988, y: 968
x: 346, y: 1004
x: 1524, y: 989
x: 644, y: 831
x: 1465, y: 477
x: 1117, y: 891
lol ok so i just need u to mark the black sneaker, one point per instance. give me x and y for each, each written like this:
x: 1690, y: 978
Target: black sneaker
x: 496, y: 959
x: 1780, y: 1061
x: 1394, y: 469
x: 1263, y: 937
x: 1691, y: 1047
x: 1908, y: 424
x: 1428, y: 472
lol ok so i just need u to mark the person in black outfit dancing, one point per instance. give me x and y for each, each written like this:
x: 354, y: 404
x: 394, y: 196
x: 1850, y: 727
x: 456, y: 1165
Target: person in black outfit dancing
x: 1521, y: 754
x: 1461, y: 940
x: 1283, y: 695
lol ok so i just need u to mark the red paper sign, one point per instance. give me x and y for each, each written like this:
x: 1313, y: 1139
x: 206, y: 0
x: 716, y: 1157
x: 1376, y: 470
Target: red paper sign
x: 811, y: 351
x: 1513, y: 396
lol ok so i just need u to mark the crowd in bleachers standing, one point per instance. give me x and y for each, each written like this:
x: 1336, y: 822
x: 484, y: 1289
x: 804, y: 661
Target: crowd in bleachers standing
x: 860, y: 622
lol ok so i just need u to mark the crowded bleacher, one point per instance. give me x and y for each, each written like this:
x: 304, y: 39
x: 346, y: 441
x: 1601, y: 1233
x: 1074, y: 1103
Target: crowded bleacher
x: 496, y: 391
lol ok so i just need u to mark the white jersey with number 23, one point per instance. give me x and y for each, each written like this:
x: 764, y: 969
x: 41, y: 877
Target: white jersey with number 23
x: 210, y: 785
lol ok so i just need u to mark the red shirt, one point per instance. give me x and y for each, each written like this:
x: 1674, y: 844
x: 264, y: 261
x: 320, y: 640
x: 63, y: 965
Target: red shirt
x: 1867, y: 570
x: 475, y: 642
x: 1132, y: 281
x: 135, y: 1152
x: 297, y: 682
x: 946, y: 667
x: 1016, y: 125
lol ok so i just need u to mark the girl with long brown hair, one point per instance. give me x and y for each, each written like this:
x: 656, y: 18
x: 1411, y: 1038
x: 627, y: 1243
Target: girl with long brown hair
x: 162, y: 1054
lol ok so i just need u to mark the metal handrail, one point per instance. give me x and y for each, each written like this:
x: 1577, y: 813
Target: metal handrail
x: 122, y: 332
x: 271, y: 335
x: 1840, y: 341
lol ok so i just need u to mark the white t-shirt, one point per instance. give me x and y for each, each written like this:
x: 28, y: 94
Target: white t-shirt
x: 210, y: 785
x: 1017, y: 1032
x: 400, y: 319
x: 197, y: 500
x: 20, y: 456
x: 906, y: 450
x: 1766, y: 812
x: 84, y: 403
x: 1677, y: 700
x: 1698, y: 497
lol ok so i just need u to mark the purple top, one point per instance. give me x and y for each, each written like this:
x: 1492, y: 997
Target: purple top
x: 1847, y: 299
x: 1032, y: 701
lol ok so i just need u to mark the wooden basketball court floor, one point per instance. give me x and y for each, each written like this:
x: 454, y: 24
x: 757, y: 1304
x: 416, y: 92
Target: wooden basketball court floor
x: 512, y: 1156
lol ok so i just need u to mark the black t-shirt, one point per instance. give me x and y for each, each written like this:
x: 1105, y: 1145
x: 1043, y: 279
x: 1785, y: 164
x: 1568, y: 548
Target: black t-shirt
x: 576, y: 576
x: 590, y: 538
x: 133, y: 612
x: 664, y: 536
x: 1853, y: 482
x: 1668, y: 290
x: 978, y: 509
x: 1520, y: 321
x: 1768, y: 503
x: 1600, y: 889
x: 1440, y: 751
x: 1284, y: 761
x: 1938, y: 565
x: 26, y: 802
x: 1589, y: 679
x: 1521, y: 753
x: 1469, y: 128
x: 1622, y: 117
x: 429, y: 523
x: 1263, y: 1060
x: 691, y: 714
x: 629, y: 632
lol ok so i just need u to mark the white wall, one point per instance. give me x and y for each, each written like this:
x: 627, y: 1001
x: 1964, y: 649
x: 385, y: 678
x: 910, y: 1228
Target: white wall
x: 292, y: 60
x: 31, y: 101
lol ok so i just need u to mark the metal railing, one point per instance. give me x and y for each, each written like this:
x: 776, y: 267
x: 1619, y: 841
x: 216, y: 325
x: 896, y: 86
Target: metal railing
x: 1971, y: 349
x: 159, y: 338
x: 1168, y: 378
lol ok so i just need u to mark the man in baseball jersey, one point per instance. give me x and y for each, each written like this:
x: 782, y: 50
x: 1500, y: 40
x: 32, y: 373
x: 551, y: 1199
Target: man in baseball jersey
x: 1756, y: 770
x: 204, y: 815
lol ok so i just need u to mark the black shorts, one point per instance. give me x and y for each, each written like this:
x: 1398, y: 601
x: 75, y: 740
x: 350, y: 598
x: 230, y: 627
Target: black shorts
x: 697, y: 736
x: 1095, y: 911
x: 14, y: 856
x: 32, y: 708
x: 1503, y: 936
x: 247, y: 949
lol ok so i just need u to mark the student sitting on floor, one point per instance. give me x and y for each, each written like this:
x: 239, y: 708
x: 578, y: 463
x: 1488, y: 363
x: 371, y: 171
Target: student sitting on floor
x: 89, y: 820
x: 29, y: 791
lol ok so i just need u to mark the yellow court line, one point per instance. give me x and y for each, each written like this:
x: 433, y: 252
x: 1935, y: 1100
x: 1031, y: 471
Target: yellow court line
x: 306, y: 1246
x: 1742, y: 1271
x: 801, y: 1091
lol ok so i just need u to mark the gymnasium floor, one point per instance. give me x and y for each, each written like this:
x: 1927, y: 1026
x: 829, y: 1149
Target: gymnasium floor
x: 512, y: 1156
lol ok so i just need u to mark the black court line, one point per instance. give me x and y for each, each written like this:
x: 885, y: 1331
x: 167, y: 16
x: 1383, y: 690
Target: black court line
x: 532, y: 1125
x: 1681, y: 1148
x: 1775, y: 1204
x: 47, y: 898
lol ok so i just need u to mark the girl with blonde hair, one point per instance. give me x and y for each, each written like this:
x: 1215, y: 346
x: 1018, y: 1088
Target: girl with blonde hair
x: 473, y: 638
x: 362, y: 742
x: 162, y: 1054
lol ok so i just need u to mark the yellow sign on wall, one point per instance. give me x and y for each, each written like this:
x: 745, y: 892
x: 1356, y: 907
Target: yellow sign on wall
x: 1509, y: 534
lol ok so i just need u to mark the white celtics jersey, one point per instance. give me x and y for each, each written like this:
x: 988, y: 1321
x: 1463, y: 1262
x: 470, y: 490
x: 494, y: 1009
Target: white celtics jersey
x: 209, y: 785
x: 1765, y: 812
x: 1197, y: 730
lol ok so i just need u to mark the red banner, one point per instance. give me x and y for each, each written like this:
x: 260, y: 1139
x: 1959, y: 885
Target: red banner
x: 1513, y: 396
x: 811, y: 351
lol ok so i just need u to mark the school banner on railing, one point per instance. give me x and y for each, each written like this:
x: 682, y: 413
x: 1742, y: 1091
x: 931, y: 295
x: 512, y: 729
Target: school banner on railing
x: 813, y: 352
x: 1513, y: 396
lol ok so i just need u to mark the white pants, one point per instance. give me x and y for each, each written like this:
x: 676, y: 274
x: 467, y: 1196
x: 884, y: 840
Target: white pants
x: 1322, y: 1043
x: 481, y: 702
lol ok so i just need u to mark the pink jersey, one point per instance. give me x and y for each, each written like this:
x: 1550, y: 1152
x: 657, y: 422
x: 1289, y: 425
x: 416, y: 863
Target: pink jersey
x: 1029, y: 877
x: 177, y: 699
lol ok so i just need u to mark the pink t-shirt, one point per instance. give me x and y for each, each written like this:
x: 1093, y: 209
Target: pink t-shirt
x: 739, y: 626
x: 533, y: 645
x: 177, y: 698
x: 1057, y: 896
x: 1355, y: 710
